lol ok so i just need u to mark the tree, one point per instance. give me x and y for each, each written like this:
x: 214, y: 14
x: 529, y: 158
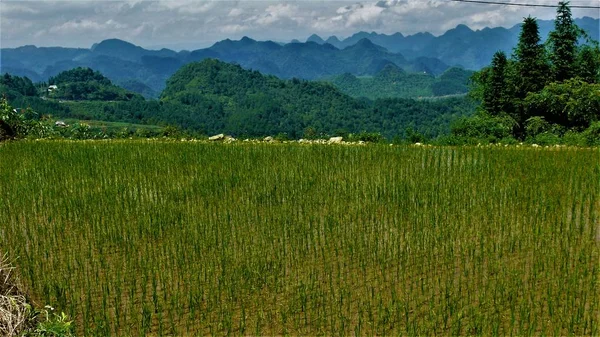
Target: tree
x: 572, y: 103
x: 530, y: 57
x: 531, y: 70
x: 588, y: 64
x: 563, y: 43
x: 494, y: 90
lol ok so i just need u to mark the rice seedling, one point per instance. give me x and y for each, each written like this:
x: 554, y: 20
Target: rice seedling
x: 164, y: 238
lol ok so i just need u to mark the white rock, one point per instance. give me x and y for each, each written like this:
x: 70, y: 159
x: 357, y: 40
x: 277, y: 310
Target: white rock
x: 217, y: 137
x: 268, y: 139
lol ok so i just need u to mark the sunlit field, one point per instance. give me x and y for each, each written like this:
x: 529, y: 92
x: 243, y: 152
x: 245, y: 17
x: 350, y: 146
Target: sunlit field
x: 159, y: 238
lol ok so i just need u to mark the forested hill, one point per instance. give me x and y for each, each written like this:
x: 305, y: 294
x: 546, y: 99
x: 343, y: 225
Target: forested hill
x: 394, y: 82
x: 87, y: 84
x: 213, y: 96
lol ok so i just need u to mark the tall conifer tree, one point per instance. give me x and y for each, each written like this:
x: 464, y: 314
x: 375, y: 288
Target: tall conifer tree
x: 532, y: 67
x: 494, y: 93
x: 563, y: 44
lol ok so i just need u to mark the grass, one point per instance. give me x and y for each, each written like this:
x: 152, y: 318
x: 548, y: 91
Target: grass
x: 117, y: 126
x: 165, y: 238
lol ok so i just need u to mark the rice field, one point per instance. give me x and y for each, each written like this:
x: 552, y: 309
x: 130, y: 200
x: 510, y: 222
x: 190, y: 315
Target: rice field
x: 135, y: 238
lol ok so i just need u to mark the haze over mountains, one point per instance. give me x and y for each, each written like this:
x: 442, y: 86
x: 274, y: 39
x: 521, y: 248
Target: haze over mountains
x: 460, y: 46
x: 146, y: 71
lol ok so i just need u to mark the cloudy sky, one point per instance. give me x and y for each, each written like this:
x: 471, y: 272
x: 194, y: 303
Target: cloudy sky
x: 192, y: 24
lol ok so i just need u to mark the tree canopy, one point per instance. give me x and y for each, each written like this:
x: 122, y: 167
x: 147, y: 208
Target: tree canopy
x: 552, y: 87
x: 87, y: 84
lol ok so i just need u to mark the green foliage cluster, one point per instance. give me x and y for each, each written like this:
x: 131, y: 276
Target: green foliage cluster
x: 87, y: 84
x: 23, y: 94
x: 16, y: 124
x: 546, y: 91
x: 394, y: 82
x: 14, y: 86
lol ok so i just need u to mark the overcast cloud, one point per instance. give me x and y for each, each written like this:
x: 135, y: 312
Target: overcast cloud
x: 193, y: 24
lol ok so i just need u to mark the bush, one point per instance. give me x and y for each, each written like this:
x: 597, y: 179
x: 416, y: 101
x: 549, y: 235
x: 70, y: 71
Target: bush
x: 483, y: 128
x: 370, y: 137
x: 536, y: 125
x: 591, y: 135
x: 545, y: 138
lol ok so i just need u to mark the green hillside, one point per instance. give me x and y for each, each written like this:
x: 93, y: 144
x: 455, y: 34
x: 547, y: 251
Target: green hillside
x: 87, y: 84
x: 394, y: 82
x: 213, y: 96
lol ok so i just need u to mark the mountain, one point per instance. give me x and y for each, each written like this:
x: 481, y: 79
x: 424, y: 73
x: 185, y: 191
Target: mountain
x: 362, y: 54
x: 128, y: 51
x: 315, y: 38
x: 122, y: 61
x: 460, y: 46
x: 215, y: 97
x: 394, y: 82
x: 138, y: 87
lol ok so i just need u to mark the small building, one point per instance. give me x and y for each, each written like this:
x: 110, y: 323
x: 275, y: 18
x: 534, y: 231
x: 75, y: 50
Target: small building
x: 52, y: 87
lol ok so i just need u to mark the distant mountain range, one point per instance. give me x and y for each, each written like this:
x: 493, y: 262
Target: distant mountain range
x: 146, y: 71
x: 460, y: 46
x: 136, y: 68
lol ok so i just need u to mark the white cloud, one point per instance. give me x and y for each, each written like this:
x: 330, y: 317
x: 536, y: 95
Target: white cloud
x: 235, y: 12
x: 156, y: 22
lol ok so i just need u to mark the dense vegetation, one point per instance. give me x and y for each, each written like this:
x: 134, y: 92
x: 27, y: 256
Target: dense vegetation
x: 214, y: 96
x: 394, y: 82
x: 87, y: 84
x: 543, y: 92
x: 154, y: 238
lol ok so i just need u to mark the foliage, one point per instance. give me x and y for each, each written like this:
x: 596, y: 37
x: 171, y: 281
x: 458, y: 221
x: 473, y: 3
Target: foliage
x: 536, y: 125
x: 19, y: 124
x: 543, y: 90
x: 531, y: 62
x: 563, y: 44
x: 495, y: 96
x: 13, y: 86
x: 215, y: 97
x: 483, y: 127
x: 588, y: 64
x: 572, y: 103
x: 87, y: 84
x: 54, y: 325
x: 393, y: 82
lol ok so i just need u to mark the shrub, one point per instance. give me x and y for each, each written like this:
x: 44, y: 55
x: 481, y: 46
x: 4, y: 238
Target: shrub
x: 483, y: 128
x: 536, y: 125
